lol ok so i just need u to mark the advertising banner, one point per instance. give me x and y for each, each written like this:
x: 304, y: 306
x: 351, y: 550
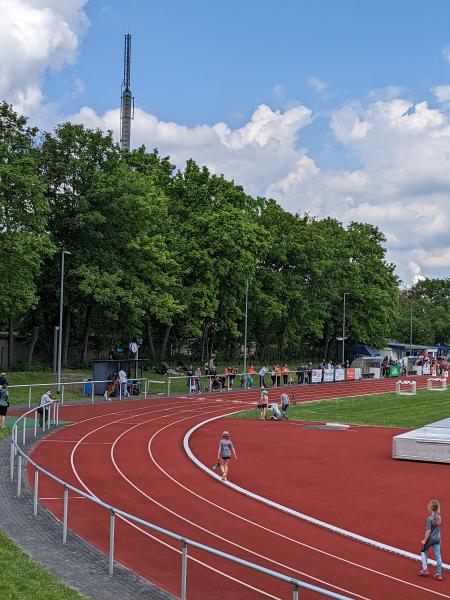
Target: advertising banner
x: 426, y: 370
x: 328, y: 375
x: 339, y: 374
x: 350, y: 374
x: 316, y: 376
x: 358, y: 373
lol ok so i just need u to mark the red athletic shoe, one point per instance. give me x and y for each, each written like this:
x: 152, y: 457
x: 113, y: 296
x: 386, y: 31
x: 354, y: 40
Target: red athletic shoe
x: 423, y: 573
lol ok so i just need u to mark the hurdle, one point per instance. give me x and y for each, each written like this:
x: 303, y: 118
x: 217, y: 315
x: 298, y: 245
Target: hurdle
x: 442, y: 387
x: 409, y: 391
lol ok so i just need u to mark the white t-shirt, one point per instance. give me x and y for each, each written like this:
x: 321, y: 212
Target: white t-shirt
x: 45, y: 399
x: 263, y: 371
x: 123, y: 376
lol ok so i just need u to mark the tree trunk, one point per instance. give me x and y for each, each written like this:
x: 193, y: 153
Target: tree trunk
x: 165, y: 341
x: 66, y: 336
x: 32, y: 345
x: 151, y: 345
x: 10, y: 342
x: 87, y: 333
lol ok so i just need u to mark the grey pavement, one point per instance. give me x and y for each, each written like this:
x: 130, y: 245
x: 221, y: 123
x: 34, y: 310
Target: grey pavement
x: 76, y: 563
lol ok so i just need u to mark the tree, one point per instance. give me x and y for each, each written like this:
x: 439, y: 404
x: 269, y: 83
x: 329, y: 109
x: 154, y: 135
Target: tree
x: 24, y: 242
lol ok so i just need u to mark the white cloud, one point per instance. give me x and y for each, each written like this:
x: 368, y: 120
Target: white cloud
x: 317, y: 84
x: 36, y: 35
x: 442, y: 93
x: 401, y: 182
x: 255, y: 155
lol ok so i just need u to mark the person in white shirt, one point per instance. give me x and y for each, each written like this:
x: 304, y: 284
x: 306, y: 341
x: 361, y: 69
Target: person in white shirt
x: 123, y: 377
x: 45, y: 399
x: 262, y: 380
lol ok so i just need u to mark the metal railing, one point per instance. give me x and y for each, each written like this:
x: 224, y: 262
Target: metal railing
x: 224, y: 381
x: 22, y: 459
x: 89, y: 384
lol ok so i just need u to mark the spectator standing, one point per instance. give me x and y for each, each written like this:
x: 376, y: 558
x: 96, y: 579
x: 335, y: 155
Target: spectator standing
x: 278, y: 375
x: 123, y: 379
x: 190, y: 375
x: 432, y: 539
x: 44, y: 411
x: 273, y: 375
x: 197, y: 375
x: 262, y: 377
x: 285, y: 373
x: 300, y: 373
x: 4, y: 404
x: 250, y: 375
x: 3, y: 380
x: 226, y: 449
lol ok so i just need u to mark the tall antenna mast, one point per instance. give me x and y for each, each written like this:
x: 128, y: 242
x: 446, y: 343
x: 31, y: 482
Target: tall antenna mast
x: 126, y: 99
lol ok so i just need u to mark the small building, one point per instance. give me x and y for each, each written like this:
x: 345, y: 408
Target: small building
x: 103, y: 371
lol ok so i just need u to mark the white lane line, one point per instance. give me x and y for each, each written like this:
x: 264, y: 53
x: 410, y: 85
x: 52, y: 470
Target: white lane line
x: 145, y: 532
x: 292, y: 512
x: 208, y: 531
x: 325, y: 553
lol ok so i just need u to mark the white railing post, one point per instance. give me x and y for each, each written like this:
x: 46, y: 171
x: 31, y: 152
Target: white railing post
x: 15, y: 441
x: 92, y: 392
x: 11, y: 458
x: 35, y: 422
x: 19, y: 476
x: 24, y: 432
x: 57, y: 414
x: 183, y: 569
x: 295, y: 593
x: 36, y: 491
x: 112, y: 522
x: 29, y: 397
x: 65, y: 513
x: 168, y: 386
x: 62, y: 394
x: 145, y: 387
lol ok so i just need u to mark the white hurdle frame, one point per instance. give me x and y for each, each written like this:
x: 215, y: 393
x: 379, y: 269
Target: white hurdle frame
x: 401, y: 392
x: 441, y: 380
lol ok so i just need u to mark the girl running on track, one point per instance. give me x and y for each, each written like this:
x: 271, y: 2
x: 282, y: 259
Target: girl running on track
x: 226, y: 447
x: 432, y: 539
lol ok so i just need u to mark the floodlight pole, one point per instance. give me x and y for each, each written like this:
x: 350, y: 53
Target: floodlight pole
x: 245, y: 335
x: 61, y: 306
x: 343, y: 332
x: 410, y: 327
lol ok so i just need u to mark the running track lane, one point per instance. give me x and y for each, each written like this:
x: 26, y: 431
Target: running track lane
x: 133, y: 479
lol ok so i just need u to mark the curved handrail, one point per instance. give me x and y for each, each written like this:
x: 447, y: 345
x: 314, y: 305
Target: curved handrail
x: 185, y: 542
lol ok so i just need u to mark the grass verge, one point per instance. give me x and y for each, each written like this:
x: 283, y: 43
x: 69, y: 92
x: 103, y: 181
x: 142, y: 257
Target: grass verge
x: 23, y: 579
x: 386, y: 410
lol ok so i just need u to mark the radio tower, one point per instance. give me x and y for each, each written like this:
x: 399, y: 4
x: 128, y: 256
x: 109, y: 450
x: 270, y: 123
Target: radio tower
x: 126, y: 99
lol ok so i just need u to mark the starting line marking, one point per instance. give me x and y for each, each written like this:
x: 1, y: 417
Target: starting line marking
x: 292, y: 512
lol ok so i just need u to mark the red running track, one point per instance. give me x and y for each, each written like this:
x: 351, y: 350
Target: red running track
x: 130, y: 455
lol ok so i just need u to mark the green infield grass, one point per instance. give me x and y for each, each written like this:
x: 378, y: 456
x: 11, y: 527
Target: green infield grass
x: 23, y: 579
x: 387, y: 410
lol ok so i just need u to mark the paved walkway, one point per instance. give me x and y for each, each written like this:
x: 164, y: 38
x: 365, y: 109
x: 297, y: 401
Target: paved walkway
x: 76, y: 563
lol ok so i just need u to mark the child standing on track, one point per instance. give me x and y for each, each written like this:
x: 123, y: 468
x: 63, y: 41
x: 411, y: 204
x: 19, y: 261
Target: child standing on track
x: 226, y: 448
x: 263, y: 404
x: 432, y: 539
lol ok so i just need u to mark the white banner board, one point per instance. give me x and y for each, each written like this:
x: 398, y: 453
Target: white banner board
x: 316, y: 376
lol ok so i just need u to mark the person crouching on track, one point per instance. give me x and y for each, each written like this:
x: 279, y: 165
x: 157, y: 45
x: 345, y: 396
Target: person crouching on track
x: 263, y: 404
x: 226, y: 449
x: 432, y: 539
x: 276, y: 413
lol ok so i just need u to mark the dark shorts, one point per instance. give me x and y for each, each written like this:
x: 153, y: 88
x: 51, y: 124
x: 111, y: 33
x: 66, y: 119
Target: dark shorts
x: 261, y: 406
x: 225, y: 457
x: 3, y: 411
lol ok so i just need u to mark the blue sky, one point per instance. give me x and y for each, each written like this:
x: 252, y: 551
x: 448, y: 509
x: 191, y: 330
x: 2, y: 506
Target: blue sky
x: 204, y: 61
x: 332, y: 108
